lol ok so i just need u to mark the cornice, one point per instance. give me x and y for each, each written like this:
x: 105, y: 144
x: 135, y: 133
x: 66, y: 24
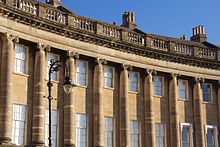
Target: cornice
x: 86, y: 36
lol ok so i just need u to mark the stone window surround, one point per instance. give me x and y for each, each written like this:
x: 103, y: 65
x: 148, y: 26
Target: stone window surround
x: 211, y: 92
x: 215, y: 128
x: 87, y: 73
x: 138, y: 83
x: 26, y: 56
x: 113, y: 77
x: 162, y: 88
x: 190, y: 126
x: 165, y: 132
x: 25, y: 125
x: 187, y: 89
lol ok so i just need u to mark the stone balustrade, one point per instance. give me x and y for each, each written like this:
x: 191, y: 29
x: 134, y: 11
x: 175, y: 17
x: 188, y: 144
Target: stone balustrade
x: 135, y: 38
x: 183, y: 49
x: 25, y: 5
x: 207, y: 53
x: 159, y: 44
x: 55, y: 15
x: 112, y: 31
x: 84, y: 24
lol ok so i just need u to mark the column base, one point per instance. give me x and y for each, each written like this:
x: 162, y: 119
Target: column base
x: 5, y: 140
x: 69, y: 145
x: 38, y: 143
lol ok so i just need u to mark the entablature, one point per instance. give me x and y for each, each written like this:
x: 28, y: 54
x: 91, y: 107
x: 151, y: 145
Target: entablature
x: 49, y: 18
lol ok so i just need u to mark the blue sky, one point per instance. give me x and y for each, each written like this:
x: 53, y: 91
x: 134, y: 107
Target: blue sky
x: 172, y: 18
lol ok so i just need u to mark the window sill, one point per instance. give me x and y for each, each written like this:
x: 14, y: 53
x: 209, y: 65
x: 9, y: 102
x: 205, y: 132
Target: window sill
x: 81, y: 86
x: 157, y: 96
x: 109, y: 88
x: 21, y: 74
x: 53, y: 81
x: 184, y: 100
x: 210, y: 103
x: 133, y: 92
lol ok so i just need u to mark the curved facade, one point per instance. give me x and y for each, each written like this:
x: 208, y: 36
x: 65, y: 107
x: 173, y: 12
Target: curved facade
x: 134, y: 89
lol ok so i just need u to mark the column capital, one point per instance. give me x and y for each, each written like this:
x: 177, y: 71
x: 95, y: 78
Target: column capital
x: 10, y: 37
x: 150, y: 71
x: 100, y: 61
x: 174, y: 75
x: 126, y: 67
x: 72, y: 54
x: 44, y: 47
x: 199, y: 80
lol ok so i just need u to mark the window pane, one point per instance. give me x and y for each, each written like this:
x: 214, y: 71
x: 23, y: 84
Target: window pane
x: 55, y: 58
x: 108, y: 131
x: 134, y: 128
x: 20, y: 59
x: 108, y: 76
x: 206, y: 92
x: 210, y: 137
x: 18, y: 124
x: 53, y: 127
x: 133, y: 81
x: 160, y: 135
x: 81, y: 130
x: 81, y: 73
x: 157, y: 86
x: 182, y: 89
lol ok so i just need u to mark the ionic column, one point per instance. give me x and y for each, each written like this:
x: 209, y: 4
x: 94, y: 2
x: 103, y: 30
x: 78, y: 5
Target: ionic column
x: 98, y: 111
x: 38, y: 129
x: 197, y: 100
x: 149, y: 110
x: 6, y: 100
x: 124, y: 108
x: 174, y: 118
x: 69, y: 107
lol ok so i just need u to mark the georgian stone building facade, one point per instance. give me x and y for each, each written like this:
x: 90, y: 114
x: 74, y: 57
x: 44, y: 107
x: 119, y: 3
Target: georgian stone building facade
x: 134, y: 89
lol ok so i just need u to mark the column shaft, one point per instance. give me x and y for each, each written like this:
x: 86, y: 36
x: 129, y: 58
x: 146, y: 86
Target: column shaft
x: 199, y: 133
x: 69, y: 111
x: 149, y: 111
x: 6, y: 100
x: 98, y: 112
x: 38, y: 99
x: 124, y: 109
x: 174, y: 118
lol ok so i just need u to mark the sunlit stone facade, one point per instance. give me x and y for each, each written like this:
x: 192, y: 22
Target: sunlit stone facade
x: 134, y: 89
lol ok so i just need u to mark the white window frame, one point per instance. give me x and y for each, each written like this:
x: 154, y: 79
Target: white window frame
x: 137, y: 83
x: 112, y: 78
x: 78, y: 127
x: 190, y: 126
x: 25, y: 61
x: 109, y: 131
x: 164, y: 137
x: 86, y: 72
x: 215, y: 128
x: 162, y: 86
x: 48, y: 67
x: 186, y: 90
x: 52, y: 125
x: 135, y: 133
x: 16, y: 120
x: 211, y: 96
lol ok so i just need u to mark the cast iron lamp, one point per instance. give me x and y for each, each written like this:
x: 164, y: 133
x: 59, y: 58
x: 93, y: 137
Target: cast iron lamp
x: 55, y: 66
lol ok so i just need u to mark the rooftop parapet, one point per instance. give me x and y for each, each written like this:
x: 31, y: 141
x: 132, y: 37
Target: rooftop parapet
x: 51, y: 19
